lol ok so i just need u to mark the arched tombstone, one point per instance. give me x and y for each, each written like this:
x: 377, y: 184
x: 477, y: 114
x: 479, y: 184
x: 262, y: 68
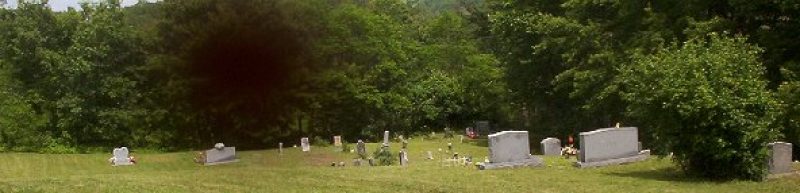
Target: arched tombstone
x: 121, y: 157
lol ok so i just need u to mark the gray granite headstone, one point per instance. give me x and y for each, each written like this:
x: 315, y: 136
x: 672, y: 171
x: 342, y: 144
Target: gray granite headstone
x: 222, y: 155
x: 551, y: 146
x: 305, y: 144
x: 361, y: 148
x: 610, y: 146
x: 121, y: 157
x: 403, y: 157
x: 482, y: 127
x: 780, y: 157
x: 510, y: 149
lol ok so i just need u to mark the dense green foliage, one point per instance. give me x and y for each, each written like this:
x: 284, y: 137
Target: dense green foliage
x: 76, y: 76
x: 705, y: 100
x: 565, y: 61
x: 251, y: 73
x: 185, y: 74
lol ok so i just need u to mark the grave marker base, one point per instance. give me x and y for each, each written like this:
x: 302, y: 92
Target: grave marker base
x: 636, y: 158
x: 221, y: 162
x: 530, y: 162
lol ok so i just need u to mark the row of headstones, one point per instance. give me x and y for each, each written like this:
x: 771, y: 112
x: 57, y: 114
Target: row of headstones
x: 217, y: 155
x: 360, y: 149
x: 602, y: 147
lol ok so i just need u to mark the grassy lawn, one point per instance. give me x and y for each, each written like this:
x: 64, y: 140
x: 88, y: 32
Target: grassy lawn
x: 295, y: 171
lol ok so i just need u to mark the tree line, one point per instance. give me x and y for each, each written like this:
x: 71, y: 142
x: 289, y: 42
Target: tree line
x: 711, y: 82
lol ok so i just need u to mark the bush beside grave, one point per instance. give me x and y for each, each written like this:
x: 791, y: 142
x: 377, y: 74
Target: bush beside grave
x: 707, y: 102
x: 384, y: 157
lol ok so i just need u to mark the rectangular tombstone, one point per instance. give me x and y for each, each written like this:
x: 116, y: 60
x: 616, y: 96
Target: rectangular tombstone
x: 305, y: 144
x: 223, y: 155
x: 121, y: 157
x: 337, y: 141
x: 386, y: 138
x: 780, y: 157
x: 510, y: 149
x: 610, y: 146
x: 551, y: 146
x: 482, y: 127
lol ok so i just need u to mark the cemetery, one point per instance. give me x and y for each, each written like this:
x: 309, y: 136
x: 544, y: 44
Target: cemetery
x: 445, y: 96
x: 329, y: 169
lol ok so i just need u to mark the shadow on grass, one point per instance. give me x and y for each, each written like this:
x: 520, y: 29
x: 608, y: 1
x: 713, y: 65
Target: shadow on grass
x: 668, y: 174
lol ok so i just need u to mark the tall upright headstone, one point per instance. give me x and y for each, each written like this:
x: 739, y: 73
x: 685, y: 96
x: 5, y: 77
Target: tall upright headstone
x: 551, y: 146
x: 305, y: 144
x: 510, y: 149
x: 780, y: 157
x: 385, y: 138
x: 337, y: 141
x: 361, y: 148
x: 610, y: 146
x: 280, y: 148
x: 482, y: 128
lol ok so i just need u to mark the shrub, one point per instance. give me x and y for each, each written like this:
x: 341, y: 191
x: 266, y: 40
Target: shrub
x: 384, y: 157
x: 320, y: 142
x: 707, y: 102
x: 789, y: 93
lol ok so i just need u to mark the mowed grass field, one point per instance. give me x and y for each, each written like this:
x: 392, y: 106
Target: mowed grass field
x: 296, y: 171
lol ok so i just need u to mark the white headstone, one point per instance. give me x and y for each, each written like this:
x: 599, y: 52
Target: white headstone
x: 121, y: 157
x: 430, y: 155
x: 551, y: 146
x: 304, y: 143
x: 280, y: 148
x: 337, y: 141
x: 386, y: 138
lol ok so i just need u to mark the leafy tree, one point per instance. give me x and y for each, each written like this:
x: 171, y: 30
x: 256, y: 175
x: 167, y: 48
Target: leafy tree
x: 235, y: 71
x: 79, y: 70
x: 707, y: 101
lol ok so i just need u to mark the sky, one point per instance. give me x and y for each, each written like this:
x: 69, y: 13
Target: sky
x: 61, y: 5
